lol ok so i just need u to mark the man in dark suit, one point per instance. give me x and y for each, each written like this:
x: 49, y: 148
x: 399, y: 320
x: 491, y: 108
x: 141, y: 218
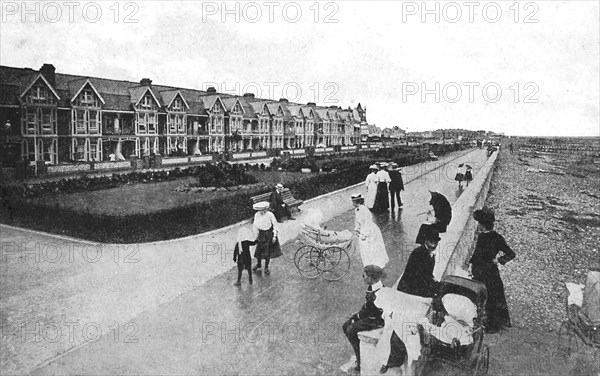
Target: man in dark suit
x: 396, y: 185
x: 278, y: 207
x: 370, y: 316
x: 418, y: 274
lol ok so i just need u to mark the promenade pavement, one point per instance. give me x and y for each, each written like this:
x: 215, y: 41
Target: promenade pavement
x: 69, y: 306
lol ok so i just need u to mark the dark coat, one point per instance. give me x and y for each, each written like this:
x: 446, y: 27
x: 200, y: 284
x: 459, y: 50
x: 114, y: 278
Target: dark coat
x: 278, y: 206
x: 369, y: 312
x: 489, y: 244
x: 418, y: 274
x: 396, y: 184
x: 243, y: 258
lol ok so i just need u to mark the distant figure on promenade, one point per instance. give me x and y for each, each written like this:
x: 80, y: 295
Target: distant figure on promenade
x: 371, y: 183
x: 369, y: 317
x: 370, y: 240
x: 460, y: 174
x: 265, y: 230
x: 278, y: 207
x: 511, y: 147
x: 396, y: 185
x: 417, y: 278
x: 491, y: 249
x: 382, y: 200
x: 469, y: 174
x: 242, y: 255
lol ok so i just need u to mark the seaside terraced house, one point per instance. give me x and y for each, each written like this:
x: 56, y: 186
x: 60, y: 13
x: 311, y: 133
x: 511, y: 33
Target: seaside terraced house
x: 56, y: 118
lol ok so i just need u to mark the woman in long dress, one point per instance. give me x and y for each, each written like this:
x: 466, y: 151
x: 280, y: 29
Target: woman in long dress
x: 484, y: 268
x: 267, y: 242
x: 370, y: 241
x: 382, y: 200
x: 371, y: 183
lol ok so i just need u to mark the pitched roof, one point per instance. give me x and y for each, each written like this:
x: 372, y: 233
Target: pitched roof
x: 169, y: 95
x: 83, y: 85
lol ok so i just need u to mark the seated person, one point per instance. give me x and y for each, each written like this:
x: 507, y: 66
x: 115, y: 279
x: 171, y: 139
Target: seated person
x: 418, y: 274
x: 369, y: 317
x: 278, y: 207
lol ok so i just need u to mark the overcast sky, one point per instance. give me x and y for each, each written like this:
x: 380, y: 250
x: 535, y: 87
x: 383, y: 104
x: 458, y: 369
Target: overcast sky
x: 522, y: 68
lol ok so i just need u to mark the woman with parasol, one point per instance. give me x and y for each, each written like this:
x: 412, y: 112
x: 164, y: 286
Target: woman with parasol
x: 442, y: 209
x: 468, y: 174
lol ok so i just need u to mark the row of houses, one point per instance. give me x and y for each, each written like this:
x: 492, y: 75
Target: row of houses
x: 62, y: 118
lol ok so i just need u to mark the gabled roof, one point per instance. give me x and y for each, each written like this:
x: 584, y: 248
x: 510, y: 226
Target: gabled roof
x: 258, y: 107
x: 210, y: 101
x: 295, y: 110
x: 229, y: 103
x: 169, y: 96
x: 137, y: 93
x: 323, y: 113
x: 81, y: 87
x: 39, y: 75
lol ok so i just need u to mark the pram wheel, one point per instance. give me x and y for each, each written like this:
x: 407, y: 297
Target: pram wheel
x: 482, y: 362
x: 307, y: 259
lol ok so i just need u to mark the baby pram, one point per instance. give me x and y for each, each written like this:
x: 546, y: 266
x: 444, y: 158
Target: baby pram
x: 472, y: 357
x: 583, y: 315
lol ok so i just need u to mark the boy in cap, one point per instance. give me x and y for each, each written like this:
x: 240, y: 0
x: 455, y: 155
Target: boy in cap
x: 241, y: 254
x: 370, y: 316
x: 279, y: 208
x: 418, y: 274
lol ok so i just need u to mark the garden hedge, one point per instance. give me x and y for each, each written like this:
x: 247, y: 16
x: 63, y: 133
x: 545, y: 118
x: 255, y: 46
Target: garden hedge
x: 199, y: 217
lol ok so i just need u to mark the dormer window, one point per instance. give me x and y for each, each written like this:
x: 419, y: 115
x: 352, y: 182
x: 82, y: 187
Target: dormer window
x: 147, y: 103
x: 177, y: 105
x: 87, y: 98
x: 237, y: 109
x: 40, y: 94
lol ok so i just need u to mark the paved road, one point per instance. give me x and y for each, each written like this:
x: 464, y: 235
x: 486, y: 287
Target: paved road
x: 283, y: 324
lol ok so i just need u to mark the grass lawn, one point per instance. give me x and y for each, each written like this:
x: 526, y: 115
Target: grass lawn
x: 145, y: 198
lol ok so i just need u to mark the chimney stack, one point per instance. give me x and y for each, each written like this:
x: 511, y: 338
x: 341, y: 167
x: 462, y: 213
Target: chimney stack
x: 49, y: 72
x: 211, y: 90
x: 248, y: 96
x: 145, y: 82
x: 284, y: 100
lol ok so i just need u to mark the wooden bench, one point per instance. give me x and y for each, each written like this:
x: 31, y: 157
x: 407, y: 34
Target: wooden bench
x: 286, y: 195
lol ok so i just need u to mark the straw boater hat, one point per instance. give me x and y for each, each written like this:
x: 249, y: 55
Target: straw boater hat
x: 279, y: 185
x: 261, y: 205
x: 358, y: 198
x: 373, y: 167
x: 394, y: 165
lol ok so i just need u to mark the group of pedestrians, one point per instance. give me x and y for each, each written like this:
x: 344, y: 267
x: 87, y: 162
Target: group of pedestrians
x: 418, y: 280
x: 384, y: 183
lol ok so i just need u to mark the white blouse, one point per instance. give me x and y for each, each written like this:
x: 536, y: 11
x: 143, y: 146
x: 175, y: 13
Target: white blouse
x: 264, y: 222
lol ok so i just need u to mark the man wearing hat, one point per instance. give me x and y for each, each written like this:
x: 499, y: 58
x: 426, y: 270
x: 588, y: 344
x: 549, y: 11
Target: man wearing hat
x: 369, y: 317
x: 396, y: 185
x: 278, y: 207
x: 418, y: 274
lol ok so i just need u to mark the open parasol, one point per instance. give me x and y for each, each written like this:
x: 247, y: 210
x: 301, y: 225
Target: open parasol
x: 442, y: 209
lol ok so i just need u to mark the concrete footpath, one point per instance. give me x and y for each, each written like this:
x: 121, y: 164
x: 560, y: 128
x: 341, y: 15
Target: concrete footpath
x: 62, y: 296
